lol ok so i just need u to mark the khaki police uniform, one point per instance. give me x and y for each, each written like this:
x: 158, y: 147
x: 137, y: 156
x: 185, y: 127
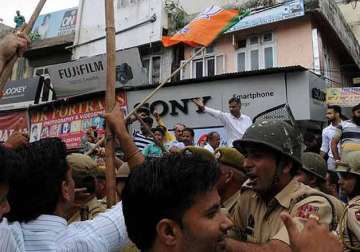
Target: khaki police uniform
x: 234, y: 159
x: 349, y: 227
x: 338, y: 205
x: 350, y: 232
x: 230, y: 204
x: 259, y: 222
x: 83, y: 167
x: 88, y: 211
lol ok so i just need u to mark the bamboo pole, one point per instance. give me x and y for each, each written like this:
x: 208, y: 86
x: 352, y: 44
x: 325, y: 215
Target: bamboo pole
x: 151, y: 95
x: 163, y: 83
x: 6, y: 73
x: 110, y: 102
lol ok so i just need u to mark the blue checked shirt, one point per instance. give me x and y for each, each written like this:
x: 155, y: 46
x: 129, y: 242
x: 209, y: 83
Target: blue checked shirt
x: 106, y: 232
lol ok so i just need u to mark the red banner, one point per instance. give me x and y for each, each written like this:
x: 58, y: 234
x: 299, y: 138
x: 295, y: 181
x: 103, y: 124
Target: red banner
x: 70, y: 121
x: 12, y: 121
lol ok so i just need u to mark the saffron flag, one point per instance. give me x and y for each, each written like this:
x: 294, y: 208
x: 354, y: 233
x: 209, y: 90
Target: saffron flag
x: 205, y: 28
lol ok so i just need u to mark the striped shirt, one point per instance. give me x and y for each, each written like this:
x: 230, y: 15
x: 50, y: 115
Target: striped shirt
x: 350, y: 132
x: 141, y: 141
x: 106, y: 232
x: 7, y: 241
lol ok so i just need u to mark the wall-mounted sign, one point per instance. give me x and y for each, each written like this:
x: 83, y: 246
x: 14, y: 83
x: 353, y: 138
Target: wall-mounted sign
x: 69, y: 121
x: 276, y: 13
x: 20, y: 91
x: 56, y: 24
x: 346, y: 97
x: 10, y: 121
x: 89, y: 75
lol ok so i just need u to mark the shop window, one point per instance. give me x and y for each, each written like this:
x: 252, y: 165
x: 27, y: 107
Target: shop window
x: 241, y: 62
x: 153, y: 67
x: 256, y: 52
x: 198, y: 68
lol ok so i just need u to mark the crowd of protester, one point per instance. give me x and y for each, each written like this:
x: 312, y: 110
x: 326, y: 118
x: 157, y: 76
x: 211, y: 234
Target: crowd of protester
x: 267, y: 189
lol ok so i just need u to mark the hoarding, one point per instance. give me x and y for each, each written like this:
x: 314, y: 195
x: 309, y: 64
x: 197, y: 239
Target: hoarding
x: 11, y: 121
x: 20, y: 91
x: 276, y: 13
x: 56, y: 24
x: 346, y: 97
x: 88, y: 75
x: 70, y: 121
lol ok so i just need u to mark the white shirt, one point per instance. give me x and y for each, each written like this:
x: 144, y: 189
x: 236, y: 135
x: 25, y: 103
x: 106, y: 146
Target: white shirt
x: 327, y: 135
x: 7, y: 241
x: 106, y: 232
x: 234, y: 127
x: 209, y: 148
x: 175, y: 144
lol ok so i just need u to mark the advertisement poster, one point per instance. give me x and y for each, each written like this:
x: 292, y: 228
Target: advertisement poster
x: 276, y: 13
x: 56, y: 24
x: 346, y: 97
x: 9, y: 122
x: 20, y: 91
x: 70, y: 121
x: 88, y: 75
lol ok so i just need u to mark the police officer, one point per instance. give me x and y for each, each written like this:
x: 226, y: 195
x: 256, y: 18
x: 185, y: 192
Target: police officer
x: 84, y: 173
x: 313, y: 173
x: 272, y: 152
x: 349, y: 227
x: 121, y: 174
x: 232, y: 176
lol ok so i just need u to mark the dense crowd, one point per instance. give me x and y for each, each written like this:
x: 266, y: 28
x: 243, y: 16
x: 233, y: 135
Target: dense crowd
x: 268, y: 189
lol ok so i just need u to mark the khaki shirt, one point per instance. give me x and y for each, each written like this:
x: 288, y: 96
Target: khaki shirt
x: 130, y: 248
x: 259, y: 222
x: 87, y: 212
x: 351, y: 228
x: 338, y: 205
x: 230, y: 203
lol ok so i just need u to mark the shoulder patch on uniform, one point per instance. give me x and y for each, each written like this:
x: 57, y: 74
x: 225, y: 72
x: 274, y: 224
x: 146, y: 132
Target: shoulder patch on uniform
x: 305, y: 211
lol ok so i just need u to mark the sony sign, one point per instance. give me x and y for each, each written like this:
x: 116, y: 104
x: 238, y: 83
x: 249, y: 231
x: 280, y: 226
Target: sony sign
x: 173, y: 107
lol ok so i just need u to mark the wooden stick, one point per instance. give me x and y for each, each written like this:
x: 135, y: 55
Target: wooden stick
x: 110, y: 102
x: 163, y: 83
x: 6, y: 73
x: 150, y: 132
x: 150, y: 95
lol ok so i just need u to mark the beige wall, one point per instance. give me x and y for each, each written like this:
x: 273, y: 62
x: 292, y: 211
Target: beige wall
x: 293, y: 44
x: 192, y: 7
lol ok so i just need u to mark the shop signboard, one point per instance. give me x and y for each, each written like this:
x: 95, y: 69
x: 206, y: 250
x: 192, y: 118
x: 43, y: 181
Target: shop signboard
x: 276, y: 13
x: 345, y: 97
x: 88, y: 75
x: 11, y: 121
x: 70, y: 121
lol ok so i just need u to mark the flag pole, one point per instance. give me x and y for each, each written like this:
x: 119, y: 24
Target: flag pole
x: 110, y: 102
x: 6, y: 73
x: 164, y: 82
x: 151, y: 94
